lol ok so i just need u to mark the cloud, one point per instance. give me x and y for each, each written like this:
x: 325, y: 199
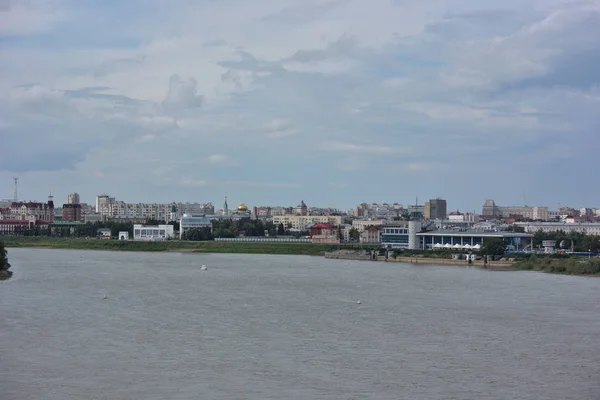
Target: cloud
x: 277, y: 129
x: 182, y: 95
x: 292, y: 95
x: 193, y: 182
x: 217, y: 159
x: 362, y: 148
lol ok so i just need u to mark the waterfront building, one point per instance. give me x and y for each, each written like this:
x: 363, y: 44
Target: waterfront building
x: 59, y: 227
x: 9, y: 226
x: 153, y: 232
x: 371, y: 234
x: 104, y: 233
x: 123, y: 235
x: 188, y: 222
x: 395, y: 235
x: 324, y: 233
x: 472, y: 239
x: 401, y: 235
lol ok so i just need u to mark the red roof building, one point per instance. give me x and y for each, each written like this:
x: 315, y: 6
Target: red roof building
x: 324, y: 233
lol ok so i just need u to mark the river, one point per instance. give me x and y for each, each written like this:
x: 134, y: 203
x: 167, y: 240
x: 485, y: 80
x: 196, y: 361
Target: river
x: 119, y: 325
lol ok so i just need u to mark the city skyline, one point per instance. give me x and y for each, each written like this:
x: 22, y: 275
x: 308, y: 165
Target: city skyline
x: 334, y: 102
x: 233, y: 203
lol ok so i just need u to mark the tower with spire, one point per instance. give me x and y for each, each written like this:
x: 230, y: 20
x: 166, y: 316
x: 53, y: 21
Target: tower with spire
x: 225, y: 206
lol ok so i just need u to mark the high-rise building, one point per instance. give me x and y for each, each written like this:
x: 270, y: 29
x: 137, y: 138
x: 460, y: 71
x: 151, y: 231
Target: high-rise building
x: 71, y: 212
x: 73, y: 198
x: 435, y: 209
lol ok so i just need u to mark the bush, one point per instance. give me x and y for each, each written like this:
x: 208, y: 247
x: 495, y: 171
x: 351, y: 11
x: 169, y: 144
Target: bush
x: 4, y: 265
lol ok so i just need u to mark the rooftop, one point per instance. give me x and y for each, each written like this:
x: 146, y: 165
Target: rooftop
x: 502, y: 234
x: 67, y: 223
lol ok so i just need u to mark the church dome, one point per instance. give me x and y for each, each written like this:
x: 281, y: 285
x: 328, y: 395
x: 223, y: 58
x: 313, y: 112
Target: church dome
x: 242, y: 208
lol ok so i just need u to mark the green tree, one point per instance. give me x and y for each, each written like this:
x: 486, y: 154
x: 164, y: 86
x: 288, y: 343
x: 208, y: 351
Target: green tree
x: 281, y: 229
x: 4, y: 265
x: 493, y: 247
x: 197, y: 234
x: 354, y: 234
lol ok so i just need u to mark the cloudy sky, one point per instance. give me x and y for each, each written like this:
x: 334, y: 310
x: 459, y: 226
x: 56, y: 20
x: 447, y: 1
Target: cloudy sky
x: 272, y: 101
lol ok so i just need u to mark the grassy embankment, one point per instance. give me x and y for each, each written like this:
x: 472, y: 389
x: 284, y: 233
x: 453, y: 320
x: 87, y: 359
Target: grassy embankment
x: 559, y: 265
x: 553, y: 264
x: 171, y: 245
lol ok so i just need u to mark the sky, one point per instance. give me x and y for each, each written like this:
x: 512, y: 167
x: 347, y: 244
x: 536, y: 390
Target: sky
x: 334, y: 102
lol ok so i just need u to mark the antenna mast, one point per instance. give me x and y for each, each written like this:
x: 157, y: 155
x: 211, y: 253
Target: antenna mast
x: 16, y: 196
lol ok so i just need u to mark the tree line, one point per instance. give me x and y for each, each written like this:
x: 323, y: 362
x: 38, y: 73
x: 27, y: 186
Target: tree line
x: 226, y: 228
x: 580, y: 242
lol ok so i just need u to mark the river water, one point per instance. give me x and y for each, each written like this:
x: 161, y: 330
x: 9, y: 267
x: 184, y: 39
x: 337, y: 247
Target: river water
x: 117, y: 325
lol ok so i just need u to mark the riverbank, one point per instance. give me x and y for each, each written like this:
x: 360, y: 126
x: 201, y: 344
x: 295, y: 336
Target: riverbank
x: 564, y: 266
x: 365, y: 256
x: 580, y: 266
x: 170, y: 245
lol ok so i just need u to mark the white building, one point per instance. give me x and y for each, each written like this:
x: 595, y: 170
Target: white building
x: 588, y: 228
x: 109, y: 207
x: 188, y: 222
x: 153, y: 232
x: 123, y: 235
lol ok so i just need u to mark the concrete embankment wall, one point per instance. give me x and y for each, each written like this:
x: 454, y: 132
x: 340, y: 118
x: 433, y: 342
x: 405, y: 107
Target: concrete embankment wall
x: 494, y: 265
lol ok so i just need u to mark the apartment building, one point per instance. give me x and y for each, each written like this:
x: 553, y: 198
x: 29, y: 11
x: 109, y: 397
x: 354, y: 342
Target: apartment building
x: 109, y: 207
x: 304, y: 222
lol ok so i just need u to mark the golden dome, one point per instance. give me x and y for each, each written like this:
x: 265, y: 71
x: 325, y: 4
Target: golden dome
x: 242, y: 208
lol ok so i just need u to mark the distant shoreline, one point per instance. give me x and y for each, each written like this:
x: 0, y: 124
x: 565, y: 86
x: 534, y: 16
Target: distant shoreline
x: 282, y: 248
x: 575, y: 267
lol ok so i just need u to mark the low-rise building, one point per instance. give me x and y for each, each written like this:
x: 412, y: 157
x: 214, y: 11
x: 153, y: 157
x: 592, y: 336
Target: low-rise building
x: 371, y: 234
x: 464, y: 240
x: 188, y: 222
x: 104, y: 233
x: 9, y: 226
x: 153, y: 232
x: 588, y: 228
x: 361, y: 224
x: 324, y: 233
